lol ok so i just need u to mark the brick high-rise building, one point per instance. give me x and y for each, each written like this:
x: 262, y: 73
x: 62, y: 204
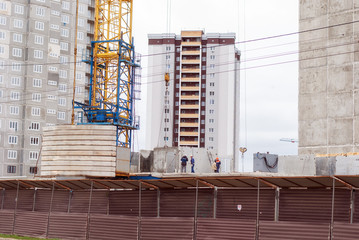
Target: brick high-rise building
x: 200, y: 109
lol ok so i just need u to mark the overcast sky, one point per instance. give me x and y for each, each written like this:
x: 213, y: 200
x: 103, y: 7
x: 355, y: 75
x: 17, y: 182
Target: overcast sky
x: 271, y: 91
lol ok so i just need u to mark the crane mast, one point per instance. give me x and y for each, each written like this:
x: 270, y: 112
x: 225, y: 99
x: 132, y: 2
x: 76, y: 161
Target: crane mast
x: 111, y: 85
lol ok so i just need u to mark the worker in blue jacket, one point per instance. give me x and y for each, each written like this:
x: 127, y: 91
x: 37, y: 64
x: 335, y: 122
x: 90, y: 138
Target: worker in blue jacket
x: 192, y: 163
x: 184, y: 161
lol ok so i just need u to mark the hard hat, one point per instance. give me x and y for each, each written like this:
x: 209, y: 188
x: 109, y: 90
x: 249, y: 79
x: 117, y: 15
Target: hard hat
x: 217, y: 158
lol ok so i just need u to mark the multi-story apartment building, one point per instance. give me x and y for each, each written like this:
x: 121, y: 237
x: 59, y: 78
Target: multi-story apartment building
x: 200, y: 107
x: 36, y: 74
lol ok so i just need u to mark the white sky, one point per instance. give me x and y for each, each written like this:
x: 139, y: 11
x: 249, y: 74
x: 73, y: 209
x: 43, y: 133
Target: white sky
x: 271, y: 92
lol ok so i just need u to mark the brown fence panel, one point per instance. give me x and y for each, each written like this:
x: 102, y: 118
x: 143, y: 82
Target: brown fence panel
x: 108, y: 227
x: 68, y: 225
x: 126, y: 203
x: 80, y: 202
x: 356, y: 207
x: 99, y: 202
x: 167, y: 228
x: 177, y: 203
x: 42, y: 201
x: 345, y: 231
x: 26, y: 200
x: 228, y: 200
x: 231, y: 229
x: 60, y: 201
x: 313, y: 205
x: 6, y: 221
x: 269, y: 230
x: 9, y: 200
x: 31, y: 223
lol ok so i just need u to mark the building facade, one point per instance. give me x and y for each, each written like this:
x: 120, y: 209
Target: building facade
x: 200, y: 106
x: 36, y: 74
x: 328, y: 77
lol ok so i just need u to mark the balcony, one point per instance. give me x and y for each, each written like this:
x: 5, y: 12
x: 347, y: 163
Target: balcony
x: 189, y: 134
x: 187, y: 115
x: 190, y: 106
x: 188, y: 124
x: 190, y: 79
x: 191, y: 52
x: 191, y: 61
x: 191, y: 43
x: 189, y: 97
x: 191, y: 70
x: 193, y: 88
x: 191, y: 143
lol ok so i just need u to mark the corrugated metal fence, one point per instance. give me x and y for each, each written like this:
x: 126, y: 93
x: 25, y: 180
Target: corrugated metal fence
x: 181, y: 214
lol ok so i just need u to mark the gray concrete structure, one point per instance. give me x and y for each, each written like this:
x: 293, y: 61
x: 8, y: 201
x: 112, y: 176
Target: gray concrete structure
x: 36, y: 74
x: 328, y: 77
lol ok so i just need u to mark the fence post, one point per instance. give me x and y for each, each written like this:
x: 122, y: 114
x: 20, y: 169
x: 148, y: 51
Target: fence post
x: 3, y: 199
x: 50, y: 209
x: 108, y: 202
x: 34, y: 201
x: 332, y: 213
x: 158, y: 202
x: 69, y: 204
x: 195, y: 213
x: 352, y: 198
x: 139, y: 211
x: 276, y: 208
x: 89, y: 213
x: 16, y: 201
x: 215, y: 193
x: 257, y: 221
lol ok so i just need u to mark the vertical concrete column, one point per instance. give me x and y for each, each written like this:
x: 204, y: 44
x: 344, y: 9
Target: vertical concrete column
x: 139, y: 211
x: 215, y: 193
x: 158, y: 202
x: 3, y: 199
x: 276, y: 206
x: 332, y: 213
x: 16, y: 201
x: 195, y: 212
x: 34, y: 201
x: 50, y: 209
x: 89, y: 213
x: 352, y: 199
x: 108, y: 202
x: 69, y: 204
x: 257, y: 219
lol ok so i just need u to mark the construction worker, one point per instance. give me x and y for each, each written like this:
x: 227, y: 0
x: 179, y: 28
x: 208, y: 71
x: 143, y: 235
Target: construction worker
x: 184, y: 161
x: 192, y: 163
x: 218, y: 164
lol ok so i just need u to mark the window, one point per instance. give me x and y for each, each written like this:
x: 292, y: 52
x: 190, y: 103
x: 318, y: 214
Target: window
x: 37, y: 69
x: 210, y: 139
x: 52, y: 69
x: 64, y: 32
x: 55, y: 26
x: 1, y: 93
x: 16, y: 67
x: 2, y: 20
x: 13, y: 125
x: 64, y: 46
x: 15, y: 96
x: 211, y: 101
x: 211, y: 93
x: 35, y: 111
x: 211, y: 120
x: 34, y: 140
x: 51, y: 111
x: 82, y: 9
x: 80, y: 36
x: 52, y: 83
x: 33, y: 170
x: 1, y: 79
x: 2, y: 64
x: 64, y: 59
x: 40, y: 11
x: 13, y: 139
x: 11, y: 154
x: 211, y: 129
x: 34, y: 126
x: 15, y: 81
x: 62, y: 87
x: 55, y: 13
x: 39, y: 40
x: 11, y: 169
x: 2, y: 35
x: 3, y: 6
x: 65, y: 18
x: 17, y: 52
x: 18, y: 23
x: 211, y: 111
x: 62, y: 101
x: 211, y: 75
x: 54, y: 40
x: 2, y: 49
x: 36, y: 97
x: 14, y: 110
x: 38, y: 54
x: 211, y: 84
x: 17, y: 37
x: 168, y: 57
x: 81, y: 22
x: 36, y: 82
x: 61, y: 115
x: 51, y: 97
x: 39, y: 25
x: 212, y: 48
x: 66, y: 5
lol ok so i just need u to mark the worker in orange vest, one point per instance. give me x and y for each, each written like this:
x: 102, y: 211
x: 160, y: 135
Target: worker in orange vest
x: 218, y: 164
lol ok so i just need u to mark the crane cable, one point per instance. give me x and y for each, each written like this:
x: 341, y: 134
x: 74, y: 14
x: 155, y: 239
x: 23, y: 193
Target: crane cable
x: 167, y: 76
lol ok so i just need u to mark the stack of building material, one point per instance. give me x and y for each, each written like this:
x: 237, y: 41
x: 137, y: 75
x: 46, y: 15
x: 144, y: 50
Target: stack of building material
x: 79, y: 150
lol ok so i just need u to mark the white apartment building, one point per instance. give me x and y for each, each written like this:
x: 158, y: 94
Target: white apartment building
x: 200, y: 109
x: 36, y: 74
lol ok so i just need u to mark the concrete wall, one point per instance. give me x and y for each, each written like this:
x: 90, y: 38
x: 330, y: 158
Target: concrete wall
x: 328, y: 79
